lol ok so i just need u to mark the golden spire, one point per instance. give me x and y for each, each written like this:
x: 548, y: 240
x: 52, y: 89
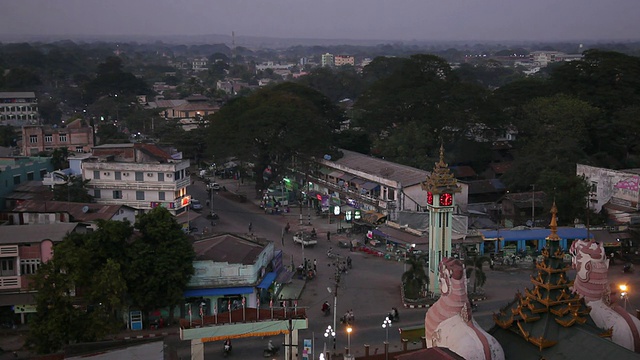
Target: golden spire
x: 441, y: 179
x: 554, y: 223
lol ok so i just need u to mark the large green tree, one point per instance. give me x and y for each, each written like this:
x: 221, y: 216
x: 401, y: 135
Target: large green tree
x: 161, y: 262
x: 271, y: 126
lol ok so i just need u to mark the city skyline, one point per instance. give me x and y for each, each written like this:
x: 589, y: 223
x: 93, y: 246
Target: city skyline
x: 406, y: 20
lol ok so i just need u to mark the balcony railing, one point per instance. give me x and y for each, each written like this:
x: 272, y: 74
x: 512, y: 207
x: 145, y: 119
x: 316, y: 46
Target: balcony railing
x: 140, y: 185
x: 9, y: 282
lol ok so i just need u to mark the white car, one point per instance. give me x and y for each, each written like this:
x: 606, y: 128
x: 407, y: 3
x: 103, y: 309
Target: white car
x: 195, y: 204
x: 214, y: 186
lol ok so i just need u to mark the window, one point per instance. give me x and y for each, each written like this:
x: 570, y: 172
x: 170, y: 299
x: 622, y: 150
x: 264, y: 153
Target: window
x: 79, y: 149
x: 160, y: 176
x: 30, y: 175
x: 96, y: 193
x: 7, y: 268
x: 139, y: 176
x: 29, y: 266
x: 391, y: 194
x: 63, y: 137
x: 118, y: 175
x: 161, y: 195
x: 139, y: 195
x: 117, y: 194
x: 96, y: 174
x: 33, y: 139
x: 48, y: 138
x: 16, y: 179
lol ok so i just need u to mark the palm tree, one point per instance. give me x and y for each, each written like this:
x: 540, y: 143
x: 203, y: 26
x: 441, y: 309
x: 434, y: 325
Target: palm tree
x: 473, y: 266
x: 415, y: 278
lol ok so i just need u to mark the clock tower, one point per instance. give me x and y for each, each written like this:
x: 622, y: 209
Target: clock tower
x: 441, y: 187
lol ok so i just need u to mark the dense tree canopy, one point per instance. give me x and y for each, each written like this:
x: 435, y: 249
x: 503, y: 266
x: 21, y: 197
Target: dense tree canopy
x: 271, y: 126
x: 109, y: 270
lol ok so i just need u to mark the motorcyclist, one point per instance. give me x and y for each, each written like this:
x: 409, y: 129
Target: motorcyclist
x: 325, y: 308
x: 270, y: 346
x: 227, y: 345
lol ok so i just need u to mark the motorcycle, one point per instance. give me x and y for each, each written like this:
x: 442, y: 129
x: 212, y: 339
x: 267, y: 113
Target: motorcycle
x: 272, y: 352
x: 326, y: 309
x: 393, y: 315
x: 226, y: 350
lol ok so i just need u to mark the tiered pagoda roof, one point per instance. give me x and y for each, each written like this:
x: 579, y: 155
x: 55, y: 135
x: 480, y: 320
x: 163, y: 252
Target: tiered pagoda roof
x: 441, y: 179
x: 552, y: 318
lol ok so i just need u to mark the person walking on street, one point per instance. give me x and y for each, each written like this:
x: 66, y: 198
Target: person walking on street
x: 315, y: 265
x: 328, y: 236
x: 250, y: 227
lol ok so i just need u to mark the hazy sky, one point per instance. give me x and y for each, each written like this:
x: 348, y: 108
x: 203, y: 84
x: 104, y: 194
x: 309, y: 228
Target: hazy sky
x: 330, y: 19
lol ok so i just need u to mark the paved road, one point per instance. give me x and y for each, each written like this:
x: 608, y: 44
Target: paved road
x: 371, y: 288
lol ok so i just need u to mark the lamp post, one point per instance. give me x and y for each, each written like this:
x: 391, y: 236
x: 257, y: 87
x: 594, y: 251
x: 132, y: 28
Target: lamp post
x: 349, y: 330
x: 386, y: 324
x: 330, y: 331
x: 624, y: 294
x: 335, y: 307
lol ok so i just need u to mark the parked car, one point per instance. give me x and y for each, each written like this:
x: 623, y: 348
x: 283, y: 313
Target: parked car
x: 214, y: 186
x: 195, y: 205
x: 304, y: 238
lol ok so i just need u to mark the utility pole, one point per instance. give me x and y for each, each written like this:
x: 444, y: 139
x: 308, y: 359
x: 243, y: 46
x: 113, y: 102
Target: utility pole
x: 533, y: 206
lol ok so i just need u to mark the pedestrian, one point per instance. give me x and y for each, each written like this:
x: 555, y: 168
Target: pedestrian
x: 315, y: 265
x: 328, y: 236
x: 282, y: 239
x: 207, y: 202
x: 250, y: 227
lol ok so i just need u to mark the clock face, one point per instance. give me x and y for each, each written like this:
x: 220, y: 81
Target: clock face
x: 430, y: 198
x: 446, y: 199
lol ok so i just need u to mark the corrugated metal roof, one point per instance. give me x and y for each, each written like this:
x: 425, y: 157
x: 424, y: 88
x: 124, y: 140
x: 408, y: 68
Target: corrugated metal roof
x: 403, y: 174
x: 22, y: 234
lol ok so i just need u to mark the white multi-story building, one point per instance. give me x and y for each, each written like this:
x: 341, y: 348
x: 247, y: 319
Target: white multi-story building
x: 327, y: 59
x: 18, y: 108
x: 142, y: 176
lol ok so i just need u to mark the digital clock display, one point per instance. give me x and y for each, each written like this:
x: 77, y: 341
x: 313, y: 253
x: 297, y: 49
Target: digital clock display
x: 446, y: 199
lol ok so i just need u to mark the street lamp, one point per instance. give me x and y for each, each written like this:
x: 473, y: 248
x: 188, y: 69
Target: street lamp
x: 335, y: 309
x: 329, y: 331
x: 624, y: 294
x: 349, y: 330
x: 386, y: 324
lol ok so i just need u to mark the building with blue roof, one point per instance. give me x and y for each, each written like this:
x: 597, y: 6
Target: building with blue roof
x: 526, y: 239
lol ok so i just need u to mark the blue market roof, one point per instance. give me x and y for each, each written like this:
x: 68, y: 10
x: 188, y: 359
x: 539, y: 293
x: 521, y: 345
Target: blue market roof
x: 535, y: 234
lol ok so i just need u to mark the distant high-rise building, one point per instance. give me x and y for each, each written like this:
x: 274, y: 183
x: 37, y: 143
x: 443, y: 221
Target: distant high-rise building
x: 327, y: 59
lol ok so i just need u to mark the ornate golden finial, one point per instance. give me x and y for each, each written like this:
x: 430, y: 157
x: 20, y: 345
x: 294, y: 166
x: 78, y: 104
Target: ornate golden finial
x: 441, y: 163
x: 554, y: 223
x: 441, y: 179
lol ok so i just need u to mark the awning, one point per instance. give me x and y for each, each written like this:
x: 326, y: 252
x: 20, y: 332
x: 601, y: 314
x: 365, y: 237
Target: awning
x: 187, y: 216
x: 17, y: 299
x: 347, y: 177
x: 358, y: 181
x: 284, y: 277
x: 267, y: 280
x: 369, y: 185
x: 218, y: 291
x: 336, y: 174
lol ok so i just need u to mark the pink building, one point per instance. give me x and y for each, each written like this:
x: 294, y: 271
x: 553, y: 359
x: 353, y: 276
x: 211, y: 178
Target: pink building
x: 23, y: 248
x: 77, y: 137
